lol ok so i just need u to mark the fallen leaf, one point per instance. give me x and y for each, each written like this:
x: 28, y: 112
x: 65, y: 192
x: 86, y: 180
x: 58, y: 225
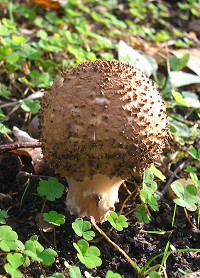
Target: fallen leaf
x: 42, y: 225
x: 38, y: 162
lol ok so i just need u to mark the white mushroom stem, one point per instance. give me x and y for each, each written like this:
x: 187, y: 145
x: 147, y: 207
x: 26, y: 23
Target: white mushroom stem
x: 93, y: 197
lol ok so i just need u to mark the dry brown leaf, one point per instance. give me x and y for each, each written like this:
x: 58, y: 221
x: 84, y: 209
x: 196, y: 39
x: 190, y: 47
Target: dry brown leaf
x: 38, y: 162
x: 50, y: 4
x: 160, y: 53
x: 42, y: 225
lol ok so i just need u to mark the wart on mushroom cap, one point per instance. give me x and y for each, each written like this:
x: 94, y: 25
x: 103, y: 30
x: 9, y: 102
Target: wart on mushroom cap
x: 101, y: 123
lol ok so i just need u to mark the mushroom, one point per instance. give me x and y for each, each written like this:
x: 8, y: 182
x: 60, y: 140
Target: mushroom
x: 101, y: 123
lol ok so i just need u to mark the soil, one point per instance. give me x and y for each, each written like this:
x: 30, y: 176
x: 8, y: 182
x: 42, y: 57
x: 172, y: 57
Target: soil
x: 141, y: 246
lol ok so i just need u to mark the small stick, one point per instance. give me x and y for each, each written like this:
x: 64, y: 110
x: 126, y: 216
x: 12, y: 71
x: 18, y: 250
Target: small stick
x: 178, y: 169
x: 19, y: 145
x: 132, y: 263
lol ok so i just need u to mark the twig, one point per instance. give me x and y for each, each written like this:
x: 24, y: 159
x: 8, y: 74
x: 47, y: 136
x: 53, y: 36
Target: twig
x: 19, y: 145
x: 178, y: 169
x: 188, y: 219
x: 132, y: 263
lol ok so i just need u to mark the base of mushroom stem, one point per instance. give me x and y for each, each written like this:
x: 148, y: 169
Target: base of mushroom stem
x: 93, y: 197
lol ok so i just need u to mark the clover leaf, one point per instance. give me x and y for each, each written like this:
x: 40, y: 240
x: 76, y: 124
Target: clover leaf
x: 3, y: 214
x: 8, y: 239
x: 186, y: 197
x: 111, y: 274
x: 88, y: 255
x: 82, y: 228
x: 37, y: 252
x: 117, y: 221
x: 54, y: 218
x: 14, y: 262
x: 74, y: 272
x: 51, y: 189
x: 194, y: 153
x: 141, y: 214
x: 147, y: 193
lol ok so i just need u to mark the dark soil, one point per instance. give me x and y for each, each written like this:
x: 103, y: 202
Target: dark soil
x: 139, y: 245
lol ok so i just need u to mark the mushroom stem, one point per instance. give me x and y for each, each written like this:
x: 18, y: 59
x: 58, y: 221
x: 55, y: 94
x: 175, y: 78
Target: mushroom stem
x: 93, y: 197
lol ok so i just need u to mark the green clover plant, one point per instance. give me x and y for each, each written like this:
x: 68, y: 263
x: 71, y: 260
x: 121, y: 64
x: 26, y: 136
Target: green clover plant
x: 3, y: 215
x: 147, y: 193
x: 36, y: 252
x: 82, y: 229
x: 51, y: 189
x: 186, y: 197
x: 88, y: 255
x: 8, y: 239
x: 54, y: 218
x: 117, y: 221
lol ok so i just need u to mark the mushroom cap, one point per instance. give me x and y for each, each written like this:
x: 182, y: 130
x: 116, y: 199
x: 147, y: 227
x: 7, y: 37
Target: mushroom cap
x: 102, y: 117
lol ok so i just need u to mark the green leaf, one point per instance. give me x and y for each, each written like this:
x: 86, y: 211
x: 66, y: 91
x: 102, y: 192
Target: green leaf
x: 147, y: 193
x: 74, y: 272
x: 178, y: 64
x: 194, y: 153
x: 48, y: 256
x: 15, y: 260
x: 50, y: 189
x: 179, y: 99
x: 195, y: 179
x: 180, y: 130
x: 148, y: 181
x: 3, y: 214
x: 156, y: 172
x: 142, y: 214
x: 12, y: 58
x: 117, y: 221
x: 31, y: 106
x: 42, y: 34
x: 18, y: 39
x: 4, y: 129
x: 186, y: 197
x: 190, y: 169
x: 152, y: 202
x: 4, y: 92
x: 16, y: 273
x: 111, y: 274
x: 82, y: 228
x: 37, y: 253
x: 178, y: 189
x: 33, y: 249
x: 154, y: 274
x: 54, y: 218
x: 30, y: 52
x: 88, y: 255
x: 8, y: 239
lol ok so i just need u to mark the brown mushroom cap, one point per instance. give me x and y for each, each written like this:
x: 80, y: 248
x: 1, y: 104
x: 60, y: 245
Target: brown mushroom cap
x: 102, y: 118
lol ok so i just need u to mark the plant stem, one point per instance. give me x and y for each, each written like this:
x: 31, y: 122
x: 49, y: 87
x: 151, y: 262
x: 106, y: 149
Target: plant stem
x: 174, y: 215
x: 188, y: 219
x: 132, y: 263
x: 43, y: 272
x: 42, y: 209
